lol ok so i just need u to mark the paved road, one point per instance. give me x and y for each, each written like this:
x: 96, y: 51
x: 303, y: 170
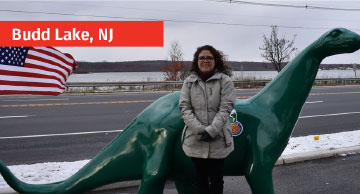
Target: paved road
x: 324, y: 176
x: 328, y: 110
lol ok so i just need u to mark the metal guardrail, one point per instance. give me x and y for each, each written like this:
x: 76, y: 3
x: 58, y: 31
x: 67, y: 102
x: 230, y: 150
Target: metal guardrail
x: 176, y: 85
x: 337, y: 81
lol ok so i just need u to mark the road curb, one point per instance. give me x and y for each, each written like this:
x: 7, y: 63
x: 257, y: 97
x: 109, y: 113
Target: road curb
x: 118, y: 185
x: 125, y: 184
x: 300, y: 157
x: 7, y: 191
x: 286, y: 159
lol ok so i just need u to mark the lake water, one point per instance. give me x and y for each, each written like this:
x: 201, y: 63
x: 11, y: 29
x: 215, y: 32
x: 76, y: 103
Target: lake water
x: 159, y: 76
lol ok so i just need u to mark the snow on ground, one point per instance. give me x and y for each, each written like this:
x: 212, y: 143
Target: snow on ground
x: 325, y: 142
x: 56, y: 171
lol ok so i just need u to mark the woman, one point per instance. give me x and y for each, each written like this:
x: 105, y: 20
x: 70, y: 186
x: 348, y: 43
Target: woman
x: 207, y: 98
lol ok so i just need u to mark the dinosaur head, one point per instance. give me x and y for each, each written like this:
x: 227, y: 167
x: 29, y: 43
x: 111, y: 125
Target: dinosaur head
x: 337, y: 41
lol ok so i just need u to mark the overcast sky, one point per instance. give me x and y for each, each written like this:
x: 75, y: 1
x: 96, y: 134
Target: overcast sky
x: 238, y: 31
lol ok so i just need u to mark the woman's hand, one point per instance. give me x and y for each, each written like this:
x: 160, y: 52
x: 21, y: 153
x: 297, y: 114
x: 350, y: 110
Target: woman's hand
x: 205, y: 136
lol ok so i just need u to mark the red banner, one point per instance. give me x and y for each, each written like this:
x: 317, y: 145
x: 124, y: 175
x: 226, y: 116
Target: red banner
x: 82, y: 33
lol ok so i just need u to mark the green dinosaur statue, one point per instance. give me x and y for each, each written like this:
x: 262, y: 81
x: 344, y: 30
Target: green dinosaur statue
x: 150, y: 147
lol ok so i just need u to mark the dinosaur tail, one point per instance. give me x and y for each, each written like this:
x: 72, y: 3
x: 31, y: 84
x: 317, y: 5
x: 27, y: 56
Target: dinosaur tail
x: 18, y: 185
x: 78, y: 183
x: 109, y: 166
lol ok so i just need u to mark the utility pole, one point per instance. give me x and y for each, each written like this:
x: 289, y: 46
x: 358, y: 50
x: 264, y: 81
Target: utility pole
x: 354, y: 68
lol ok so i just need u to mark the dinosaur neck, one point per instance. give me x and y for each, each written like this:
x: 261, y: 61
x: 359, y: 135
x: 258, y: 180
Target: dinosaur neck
x: 286, y: 94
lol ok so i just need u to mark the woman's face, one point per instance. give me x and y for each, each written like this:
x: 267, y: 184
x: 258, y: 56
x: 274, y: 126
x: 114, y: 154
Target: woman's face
x: 206, y: 61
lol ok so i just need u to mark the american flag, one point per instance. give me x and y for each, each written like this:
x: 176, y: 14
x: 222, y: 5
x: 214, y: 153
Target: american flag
x: 34, y: 70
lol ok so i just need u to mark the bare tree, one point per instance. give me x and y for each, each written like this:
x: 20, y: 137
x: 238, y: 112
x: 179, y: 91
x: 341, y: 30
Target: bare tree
x: 174, y: 70
x: 277, y: 51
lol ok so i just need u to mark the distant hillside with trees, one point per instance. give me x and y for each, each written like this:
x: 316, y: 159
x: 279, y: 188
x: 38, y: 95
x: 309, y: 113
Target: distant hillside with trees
x: 156, y: 66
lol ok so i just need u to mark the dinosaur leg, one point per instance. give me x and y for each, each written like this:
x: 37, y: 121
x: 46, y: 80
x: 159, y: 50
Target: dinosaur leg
x: 157, y: 163
x: 260, y: 181
x: 185, y: 186
x: 152, y: 185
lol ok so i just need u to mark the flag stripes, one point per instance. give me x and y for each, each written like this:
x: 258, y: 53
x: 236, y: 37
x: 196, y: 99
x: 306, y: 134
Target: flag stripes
x: 7, y: 85
x: 35, y: 55
x: 24, y: 81
x: 19, y: 76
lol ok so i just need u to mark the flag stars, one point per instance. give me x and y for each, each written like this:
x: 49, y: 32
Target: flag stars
x: 13, y: 55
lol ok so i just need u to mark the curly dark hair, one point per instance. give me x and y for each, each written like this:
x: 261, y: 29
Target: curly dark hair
x: 221, y: 64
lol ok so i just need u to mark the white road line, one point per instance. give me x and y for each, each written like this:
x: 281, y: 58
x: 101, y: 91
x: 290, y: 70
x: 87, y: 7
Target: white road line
x: 328, y: 115
x: 313, y: 102
x: 114, y: 131
x: 27, y: 100
x: 21, y: 116
x: 63, y: 134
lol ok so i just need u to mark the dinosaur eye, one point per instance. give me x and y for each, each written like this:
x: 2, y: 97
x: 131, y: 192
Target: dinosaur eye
x: 335, y: 33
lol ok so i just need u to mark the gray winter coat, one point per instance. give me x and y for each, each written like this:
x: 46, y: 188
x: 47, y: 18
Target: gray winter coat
x: 207, y: 105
